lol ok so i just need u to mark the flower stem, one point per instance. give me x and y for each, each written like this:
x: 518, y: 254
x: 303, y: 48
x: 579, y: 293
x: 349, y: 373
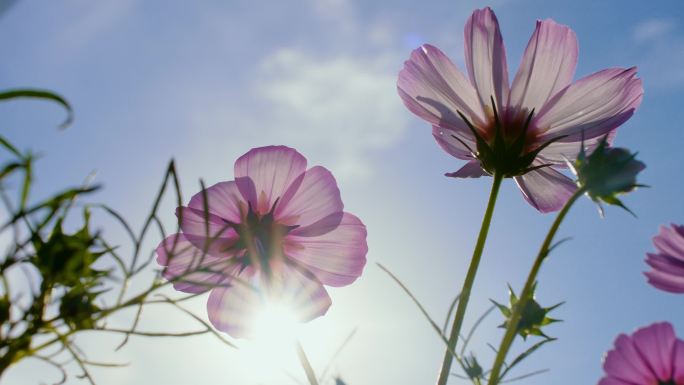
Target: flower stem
x: 512, y: 328
x: 306, y: 365
x: 468, y: 283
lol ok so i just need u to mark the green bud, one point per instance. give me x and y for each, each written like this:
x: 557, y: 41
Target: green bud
x: 473, y: 368
x: 533, y: 316
x: 607, y: 173
x: 77, y: 308
x: 66, y: 259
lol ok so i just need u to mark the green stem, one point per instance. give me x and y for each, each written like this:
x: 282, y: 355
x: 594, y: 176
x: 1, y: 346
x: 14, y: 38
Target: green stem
x: 306, y: 365
x: 468, y: 283
x: 512, y: 328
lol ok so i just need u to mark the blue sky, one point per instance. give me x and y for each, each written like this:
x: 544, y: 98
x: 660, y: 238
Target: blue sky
x: 203, y: 82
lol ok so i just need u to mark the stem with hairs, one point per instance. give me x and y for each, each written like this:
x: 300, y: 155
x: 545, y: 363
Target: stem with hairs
x: 468, y: 283
x: 512, y: 327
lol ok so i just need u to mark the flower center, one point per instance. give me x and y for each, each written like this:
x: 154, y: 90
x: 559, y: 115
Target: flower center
x: 671, y: 382
x: 262, y: 238
x: 514, y: 126
x: 505, y: 145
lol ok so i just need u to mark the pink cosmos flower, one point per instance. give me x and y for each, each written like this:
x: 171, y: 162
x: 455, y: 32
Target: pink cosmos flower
x: 529, y: 128
x: 667, y: 264
x: 653, y: 355
x: 277, y: 233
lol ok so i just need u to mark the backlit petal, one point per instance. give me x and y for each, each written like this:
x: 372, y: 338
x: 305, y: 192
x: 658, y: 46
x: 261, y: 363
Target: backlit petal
x: 546, y: 189
x: 191, y: 270
x: 547, y: 66
x: 234, y: 309
x: 591, y: 107
x: 485, y: 58
x: 313, y: 199
x: 472, y: 169
x: 336, y: 258
x: 433, y: 88
x: 264, y: 174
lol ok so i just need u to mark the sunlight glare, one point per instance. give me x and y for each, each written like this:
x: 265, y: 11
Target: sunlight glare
x: 276, y: 323
x: 271, y: 350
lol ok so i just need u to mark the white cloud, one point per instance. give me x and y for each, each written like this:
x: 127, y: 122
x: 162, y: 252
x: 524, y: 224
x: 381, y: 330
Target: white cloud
x: 660, y: 54
x: 341, y: 107
x: 652, y: 29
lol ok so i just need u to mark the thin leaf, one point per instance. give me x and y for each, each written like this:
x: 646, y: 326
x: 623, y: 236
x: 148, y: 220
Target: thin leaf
x: 9, y: 146
x: 425, y: 313
x: 40, y: 94
x: 523, y: 376
x: 525, y: 354
x: 452, y: 307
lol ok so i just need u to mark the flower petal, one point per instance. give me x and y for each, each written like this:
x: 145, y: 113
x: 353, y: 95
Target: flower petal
x: 656, y: 344
x: 264, y: 174
x: 472, y: 169
x: 678, y: 362
x: 589, y: 108
x: 433, y: 88
x: 185, y: 264
x: 234, y: 309
x: 547, y: 66
x: 461, y: 149
x: 625, y: 363
x: 670, y: 241
x: 665, y: 281
x: 485, y: 57
x: 666, y: 263
x: 546, y: 189
x: 224, y: 206
x: 223, y: 200
x: 207, y: 231
x: 314, y: 199
x: 336, y: 258
x: 613, y: 381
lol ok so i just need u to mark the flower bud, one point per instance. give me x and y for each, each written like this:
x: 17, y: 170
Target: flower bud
x: 607, y: 173
x: 533, y: 317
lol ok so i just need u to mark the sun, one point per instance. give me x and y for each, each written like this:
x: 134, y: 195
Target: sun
x: 276, y: 323
x: 270, y: 351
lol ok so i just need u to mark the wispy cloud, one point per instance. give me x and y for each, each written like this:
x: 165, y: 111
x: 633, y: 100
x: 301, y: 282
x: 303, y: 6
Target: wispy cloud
x: 652, y: 29
x: 337, y: 104
x: 660, y: 50
x: 342, y: 106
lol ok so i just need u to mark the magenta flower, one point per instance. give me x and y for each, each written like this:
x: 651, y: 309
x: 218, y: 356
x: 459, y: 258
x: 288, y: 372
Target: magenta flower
x: 518, y: 130
x: 667, y: 264
x: 277, y: 233
x: 653, y: 355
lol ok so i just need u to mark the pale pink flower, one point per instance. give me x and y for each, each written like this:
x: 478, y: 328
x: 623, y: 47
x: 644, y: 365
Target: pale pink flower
x: 278, y: 233
x: 525, y: 130
x: 652, y: 355
x: 667, y: 264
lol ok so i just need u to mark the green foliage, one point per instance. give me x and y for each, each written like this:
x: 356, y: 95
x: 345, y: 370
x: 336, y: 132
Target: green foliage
x: 4, y: 310
x: 77, y: 307
x: 33, y: 93
x: 67, y: 259
x: 533, y: 317
x: 607, y: 173
x: 472, y: 368
x: 74, y: 271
